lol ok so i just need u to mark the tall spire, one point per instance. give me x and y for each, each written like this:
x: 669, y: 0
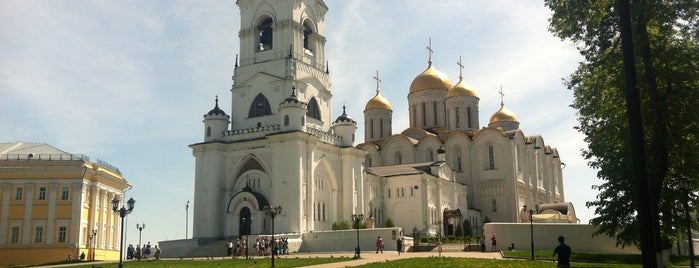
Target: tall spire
x: 429, y: 48
x: 378, y: 80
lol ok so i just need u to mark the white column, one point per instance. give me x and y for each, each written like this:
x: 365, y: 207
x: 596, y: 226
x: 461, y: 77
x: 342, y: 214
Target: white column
x: 75, y: 221
x: 29, y: 201
x: 6, y: 191
x: 51, y: 221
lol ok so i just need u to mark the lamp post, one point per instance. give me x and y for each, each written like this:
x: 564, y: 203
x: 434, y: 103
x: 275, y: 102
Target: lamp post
x: 685, y: 184
x: 93, y: 237
x: 186, y: 220
x: 122, y: 213
x: 246, y: 232
x: 140, y: 229
x: 356, y: 218
x: 416, y: 239
x: 531, y: 227
x: 273, y: 212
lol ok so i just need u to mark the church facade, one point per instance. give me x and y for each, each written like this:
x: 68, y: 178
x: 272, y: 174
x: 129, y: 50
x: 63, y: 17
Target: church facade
x: 281, y: 147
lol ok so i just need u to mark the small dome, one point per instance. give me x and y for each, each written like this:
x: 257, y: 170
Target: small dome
x: 344, y: 117
x: 503, y: 115
x: 378, y: 102
x: 216, y: 110
x: 430, y: 79
x: 461, y: 89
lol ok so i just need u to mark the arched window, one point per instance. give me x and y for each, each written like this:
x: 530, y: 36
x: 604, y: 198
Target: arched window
x: 264, y: 30
x: 491, y: 157
x: 244, y: 221
x: 434, y: 111
x: 459, y: 166
x: 313, y: 109
x: 381, y: 128
x: 307, y: 32
x: 458, y: 118
x: 468, y: 116
x: 286, y: 120
x: 208, y: 131
x: 424, y: 114
x: 371, y: 128
x: 260, y: 106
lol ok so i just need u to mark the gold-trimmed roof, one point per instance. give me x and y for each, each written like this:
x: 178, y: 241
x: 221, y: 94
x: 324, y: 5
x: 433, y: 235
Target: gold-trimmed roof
x: 503, y: 115
x: 461, y: 89
x: 431, y: 78
x: 378, y: 102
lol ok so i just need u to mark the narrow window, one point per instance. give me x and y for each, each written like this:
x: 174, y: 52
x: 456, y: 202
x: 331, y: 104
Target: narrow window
x: 491, y: 157
x: 65, y: 192
x: 398, y: 158
x: 495, y: 205
x: 15, y: 234
x: 458, y: 118
x: 371, y: 128
x: 260, y: 106
x: 389, y: 192
x: 313, y: 109
x: 323, y: 211
x: 468, y: 117
x: 19, y: 193
x: 307, y: 32
x: 458, y: 160
x: 208, y: 131
x: 62, y: 233
x: 381, y: 128
x: 38, y: 234
x: 42, y: 193
x: 286, y: 120
x: 264, y: 30
x: 434, y: 111
x: 424, y: 114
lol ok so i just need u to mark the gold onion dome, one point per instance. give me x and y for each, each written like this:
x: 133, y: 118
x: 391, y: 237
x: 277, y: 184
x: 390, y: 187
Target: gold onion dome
x: 503, y: 115
x: 461, y: 89
x: 378, y: 102
x: 430, y: 79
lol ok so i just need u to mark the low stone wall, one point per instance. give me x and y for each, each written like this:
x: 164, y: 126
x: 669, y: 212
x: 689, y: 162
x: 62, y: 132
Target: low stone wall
x: 577, y: 236
x: 178, y: 248
x: 346, y: 240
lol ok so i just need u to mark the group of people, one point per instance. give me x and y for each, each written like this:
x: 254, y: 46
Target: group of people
x: 380, y: 245
x: 142, y: 252
x: 263, y: 246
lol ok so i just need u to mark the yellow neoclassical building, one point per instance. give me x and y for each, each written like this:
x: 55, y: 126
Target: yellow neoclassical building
x: 55, y: 204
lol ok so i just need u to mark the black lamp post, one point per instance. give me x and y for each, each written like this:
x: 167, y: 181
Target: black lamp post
x: 122, y: 213
x: 531, y: 227
x: 416, y: 239
x: 273, y: 212
x: 140, y: 229
x: 186, y: 220
x: 93, y: 237
x: 685, y: 184
x: 246, y: 232
x: 357, y: 218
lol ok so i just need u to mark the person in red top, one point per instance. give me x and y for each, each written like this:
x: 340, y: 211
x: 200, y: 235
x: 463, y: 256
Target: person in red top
x: 493, y: 243
x: 379, y: 245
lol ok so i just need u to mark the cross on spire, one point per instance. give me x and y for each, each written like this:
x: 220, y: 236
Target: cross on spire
x: 461, y: 68
x: 502, y: 97
x: 429, y: 48
x: 378, y: 80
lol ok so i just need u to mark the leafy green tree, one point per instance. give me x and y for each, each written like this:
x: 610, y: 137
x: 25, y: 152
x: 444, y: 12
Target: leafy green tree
x: 666, y: 45
x: 467, y: 228
x: 389, y: 223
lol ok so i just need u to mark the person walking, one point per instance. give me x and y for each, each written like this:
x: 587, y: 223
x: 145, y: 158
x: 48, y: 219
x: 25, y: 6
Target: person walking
x: 563, y: 252
x: 379, y: 245
x: 493, y: 243
x: 399, y: 245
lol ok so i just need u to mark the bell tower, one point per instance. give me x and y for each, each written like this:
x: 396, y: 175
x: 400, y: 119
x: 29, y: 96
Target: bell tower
x: 282, y: 46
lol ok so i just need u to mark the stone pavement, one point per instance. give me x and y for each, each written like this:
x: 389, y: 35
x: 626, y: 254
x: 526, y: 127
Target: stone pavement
x: 367, y: 257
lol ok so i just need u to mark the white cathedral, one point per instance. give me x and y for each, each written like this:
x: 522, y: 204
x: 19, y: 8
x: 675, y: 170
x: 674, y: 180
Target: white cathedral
x: 281, y: 146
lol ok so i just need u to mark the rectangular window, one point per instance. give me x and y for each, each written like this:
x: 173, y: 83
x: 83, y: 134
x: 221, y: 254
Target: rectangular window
x: 389, y: 193
x: 14, y: 238
x: 434, y: 110
x: 19, y: 193
x: 65, y: 192
x: 38, y: 234
x: 42, y: 193
x: 62, y: 233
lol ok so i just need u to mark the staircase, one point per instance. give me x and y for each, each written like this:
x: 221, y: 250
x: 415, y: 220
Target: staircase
x: 213, y: 249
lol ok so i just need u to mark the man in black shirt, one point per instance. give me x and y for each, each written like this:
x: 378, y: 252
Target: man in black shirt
x: 563, y: 252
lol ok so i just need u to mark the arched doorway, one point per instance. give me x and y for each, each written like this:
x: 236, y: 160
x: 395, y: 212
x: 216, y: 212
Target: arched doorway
x: 244, y: 220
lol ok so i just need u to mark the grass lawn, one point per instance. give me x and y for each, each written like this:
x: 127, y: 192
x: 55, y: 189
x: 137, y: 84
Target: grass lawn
x: 463, y: 262
x: 261, y: 263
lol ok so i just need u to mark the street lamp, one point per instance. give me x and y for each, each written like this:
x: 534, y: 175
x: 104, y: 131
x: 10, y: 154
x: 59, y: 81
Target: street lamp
x: 140, y: 228
x: 531, y: 227
x: 246, y: 232
x: 273, y: 212
x: 356, y: 218
x: 416, y: 238
x: 686, y: 184
x: 93, y: 237
x: 122, y: 213
x: 186, y: 220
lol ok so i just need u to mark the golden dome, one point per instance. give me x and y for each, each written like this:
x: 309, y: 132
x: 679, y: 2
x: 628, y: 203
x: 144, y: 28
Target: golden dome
x: 430, y: 79
x: 378, y: 102
x: 503, y: 115
x: 461, y: 89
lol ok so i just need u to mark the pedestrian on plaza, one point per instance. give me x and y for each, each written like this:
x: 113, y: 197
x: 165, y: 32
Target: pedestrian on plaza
x: 399, y: 245
x: 563, y: 252
x: 379, y: 245
x: 493, y: 243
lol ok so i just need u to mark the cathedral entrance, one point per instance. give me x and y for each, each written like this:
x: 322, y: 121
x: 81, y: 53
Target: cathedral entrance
x: 244, y: 221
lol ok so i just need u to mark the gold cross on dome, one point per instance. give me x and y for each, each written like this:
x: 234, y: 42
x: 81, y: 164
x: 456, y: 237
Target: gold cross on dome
x: 429, y: 48
x: 378, y: 80
x: 502, y: 97
x: 461, y: 68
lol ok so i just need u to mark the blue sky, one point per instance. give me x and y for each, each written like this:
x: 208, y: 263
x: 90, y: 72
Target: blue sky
x: 129, y: 81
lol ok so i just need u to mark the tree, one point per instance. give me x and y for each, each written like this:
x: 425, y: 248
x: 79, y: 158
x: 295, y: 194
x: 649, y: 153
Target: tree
x: 389, y: 223
x: 341, y: 225
x: 666, y: 44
